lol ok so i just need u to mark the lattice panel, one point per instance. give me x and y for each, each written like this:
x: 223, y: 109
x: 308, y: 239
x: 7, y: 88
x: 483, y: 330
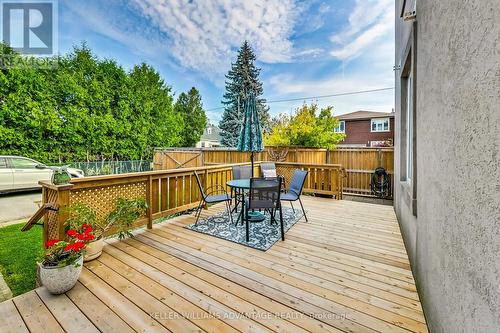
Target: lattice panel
x: 286, y: 172
x: 51, y: 217
x: 103, y: 199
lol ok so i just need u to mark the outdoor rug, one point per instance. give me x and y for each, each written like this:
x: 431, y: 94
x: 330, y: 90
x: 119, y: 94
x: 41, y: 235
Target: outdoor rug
x: 262, y: 234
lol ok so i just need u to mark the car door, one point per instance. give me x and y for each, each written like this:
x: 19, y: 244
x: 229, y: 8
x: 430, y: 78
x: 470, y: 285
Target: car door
x: 26, y: 174
x: 6, y: 175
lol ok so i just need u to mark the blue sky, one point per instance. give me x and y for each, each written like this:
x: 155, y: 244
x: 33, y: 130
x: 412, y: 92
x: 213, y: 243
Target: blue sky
x: 305, y: 48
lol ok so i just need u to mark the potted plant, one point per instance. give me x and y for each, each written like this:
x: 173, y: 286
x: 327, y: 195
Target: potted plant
x: 60, y: 176
x: 62, y: 261
x: 127, y: 211
x: 84, y: 219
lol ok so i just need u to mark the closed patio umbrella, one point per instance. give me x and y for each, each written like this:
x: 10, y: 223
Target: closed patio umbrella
x: 250, y: 136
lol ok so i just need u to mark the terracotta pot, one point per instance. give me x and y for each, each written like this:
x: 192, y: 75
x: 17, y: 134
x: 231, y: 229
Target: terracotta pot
x: 59, y: 280
x: 93, y: 250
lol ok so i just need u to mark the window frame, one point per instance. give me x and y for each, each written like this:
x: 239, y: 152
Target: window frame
x: 337, y: 129
x: 383, y: 120
x: 408, y: 122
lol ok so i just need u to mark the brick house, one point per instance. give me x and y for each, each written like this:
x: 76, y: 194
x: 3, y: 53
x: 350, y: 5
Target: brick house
x: 367, y: 129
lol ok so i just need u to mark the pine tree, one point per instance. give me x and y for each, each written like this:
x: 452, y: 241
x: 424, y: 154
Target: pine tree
x: 190, y: 107
x: 240, y: 80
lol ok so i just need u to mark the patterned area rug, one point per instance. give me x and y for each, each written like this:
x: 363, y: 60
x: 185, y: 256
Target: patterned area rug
x: 262, y: 234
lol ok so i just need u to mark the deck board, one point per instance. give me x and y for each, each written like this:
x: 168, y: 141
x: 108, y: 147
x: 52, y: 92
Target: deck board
x: 345, y: 271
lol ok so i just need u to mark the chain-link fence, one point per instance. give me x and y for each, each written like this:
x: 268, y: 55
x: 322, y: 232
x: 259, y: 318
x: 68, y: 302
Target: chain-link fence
x: 98, y: 168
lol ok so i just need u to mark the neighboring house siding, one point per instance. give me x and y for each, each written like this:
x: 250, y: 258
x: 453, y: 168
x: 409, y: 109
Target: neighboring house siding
x: 449, y: 214
x: 359, y: 132
x: 210, y: 137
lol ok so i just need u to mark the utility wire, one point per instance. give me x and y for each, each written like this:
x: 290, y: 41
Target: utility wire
x: 317, y: 97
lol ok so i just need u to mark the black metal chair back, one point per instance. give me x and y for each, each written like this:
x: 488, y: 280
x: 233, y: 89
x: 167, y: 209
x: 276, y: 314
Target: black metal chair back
x: 264, y: 193
x: 242, y: 172
x: 267, y: 166
x: 200, y: 187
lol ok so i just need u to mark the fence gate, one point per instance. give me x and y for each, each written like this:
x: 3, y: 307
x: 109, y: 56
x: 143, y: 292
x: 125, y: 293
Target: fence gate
x: 176, y: 159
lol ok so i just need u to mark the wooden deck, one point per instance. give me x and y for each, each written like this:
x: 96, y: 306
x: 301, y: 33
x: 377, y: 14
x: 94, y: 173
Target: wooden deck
x: 344, y: 271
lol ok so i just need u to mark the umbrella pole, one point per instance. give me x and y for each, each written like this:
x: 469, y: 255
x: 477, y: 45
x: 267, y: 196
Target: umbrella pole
x: 251, y: 159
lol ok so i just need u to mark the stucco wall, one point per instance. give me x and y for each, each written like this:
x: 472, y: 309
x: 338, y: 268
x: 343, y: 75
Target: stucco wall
x: 454, y: 243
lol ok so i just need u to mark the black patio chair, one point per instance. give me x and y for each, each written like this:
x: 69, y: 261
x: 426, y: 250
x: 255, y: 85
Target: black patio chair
x: 264, y: 194
x: 240, y: 172
x: 295, y: 190
x: 266, y: 167
x: 210, y: 197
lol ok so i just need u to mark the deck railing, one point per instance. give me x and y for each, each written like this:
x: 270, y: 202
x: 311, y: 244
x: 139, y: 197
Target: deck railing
x: 166, y: 191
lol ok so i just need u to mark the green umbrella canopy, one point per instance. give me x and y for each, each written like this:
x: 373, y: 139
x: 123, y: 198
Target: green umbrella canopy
x: 250, y: 136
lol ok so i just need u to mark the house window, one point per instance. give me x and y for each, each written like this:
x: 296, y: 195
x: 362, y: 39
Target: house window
x: 407, y: 121
x: 209, y: 130
x: 340, y: 128
x: 380, y: 125
x: 409, y: 127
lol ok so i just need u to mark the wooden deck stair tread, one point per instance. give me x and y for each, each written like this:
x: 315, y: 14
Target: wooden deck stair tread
x: 344, y: 271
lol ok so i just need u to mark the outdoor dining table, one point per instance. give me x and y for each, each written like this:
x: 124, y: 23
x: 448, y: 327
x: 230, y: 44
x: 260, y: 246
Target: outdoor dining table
x: 244, y: 185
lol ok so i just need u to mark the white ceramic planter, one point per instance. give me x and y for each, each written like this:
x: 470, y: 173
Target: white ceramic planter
x: 93, y: 250
x: 59, y: 280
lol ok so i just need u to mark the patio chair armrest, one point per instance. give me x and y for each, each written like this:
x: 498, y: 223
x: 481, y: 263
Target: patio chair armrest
x: 215, y: 189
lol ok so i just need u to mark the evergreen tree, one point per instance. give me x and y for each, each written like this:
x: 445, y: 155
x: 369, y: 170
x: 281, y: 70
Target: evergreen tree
x: 242, y: 78
x: 190, y: 108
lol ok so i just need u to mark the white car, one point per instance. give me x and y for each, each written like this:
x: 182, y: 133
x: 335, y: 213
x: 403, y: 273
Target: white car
x: 20, y: 173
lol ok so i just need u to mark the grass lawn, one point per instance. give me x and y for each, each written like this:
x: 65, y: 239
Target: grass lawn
x: 18, y: 254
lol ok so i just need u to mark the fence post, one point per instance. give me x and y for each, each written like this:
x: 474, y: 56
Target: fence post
x: 60, y: 199
x: 149, y: 201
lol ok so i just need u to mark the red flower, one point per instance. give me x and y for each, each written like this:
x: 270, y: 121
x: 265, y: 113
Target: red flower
x: 89, y: 238
x: 85, y: 225
x: 68, y: 247
x: 87, y: 230
x: 51, y: 242
x: 80, y: 236
x: 78, y: 246
x: 72, y: 232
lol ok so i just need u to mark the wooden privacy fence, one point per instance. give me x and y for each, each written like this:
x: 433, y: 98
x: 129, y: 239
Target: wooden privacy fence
x: 359, y: 163
x: 166, y: 191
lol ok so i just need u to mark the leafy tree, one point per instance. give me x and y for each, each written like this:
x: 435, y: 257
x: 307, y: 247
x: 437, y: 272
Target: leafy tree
x: 242, y: 78
x: 152, y: 109
x: 81, y: 107
x: 305, y: 128
x: 190, y: 107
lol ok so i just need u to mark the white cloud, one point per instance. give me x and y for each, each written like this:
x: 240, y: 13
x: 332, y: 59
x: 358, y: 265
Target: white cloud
x: 203, y: 34
x: 372, y: 70
x: 369, y: 21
